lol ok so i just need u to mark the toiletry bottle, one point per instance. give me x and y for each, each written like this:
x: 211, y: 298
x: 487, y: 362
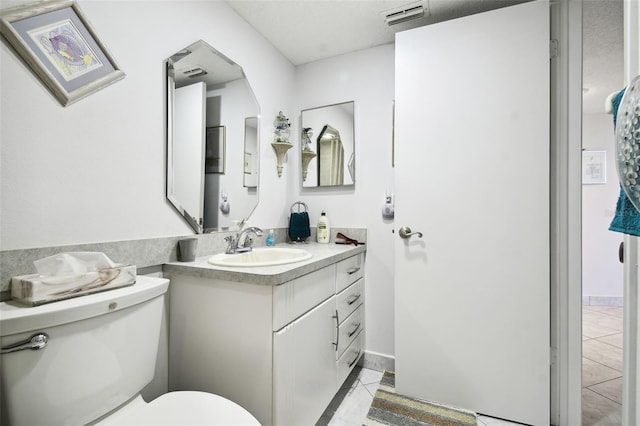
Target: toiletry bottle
x: 323, y: 228
x: 271, y: 238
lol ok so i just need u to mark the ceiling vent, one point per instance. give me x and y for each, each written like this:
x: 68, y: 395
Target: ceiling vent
x: 404, y: 13
x: 195, y: 72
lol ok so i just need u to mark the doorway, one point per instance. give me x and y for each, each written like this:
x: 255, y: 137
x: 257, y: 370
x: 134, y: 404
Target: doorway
x: 602, y: 273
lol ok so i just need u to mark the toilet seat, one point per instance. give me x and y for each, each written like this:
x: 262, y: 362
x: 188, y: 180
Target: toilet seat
x: 188, y: 408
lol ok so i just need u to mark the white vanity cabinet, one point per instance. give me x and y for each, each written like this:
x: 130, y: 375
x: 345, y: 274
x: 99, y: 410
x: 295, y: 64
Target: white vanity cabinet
x: 304, y: 366
x: 281, y: 351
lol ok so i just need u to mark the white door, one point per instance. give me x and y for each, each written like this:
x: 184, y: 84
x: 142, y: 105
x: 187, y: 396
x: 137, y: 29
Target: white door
x: 472, y: 175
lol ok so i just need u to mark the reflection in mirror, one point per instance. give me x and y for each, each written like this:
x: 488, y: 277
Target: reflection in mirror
x: 208, y: 137
x: 214, y: 157
x: 329, y: 159
x: 251, y: 152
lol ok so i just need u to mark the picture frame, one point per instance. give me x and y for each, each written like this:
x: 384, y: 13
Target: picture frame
x: 594, y: 167
x: 58, y: 43
x: 214, y: 160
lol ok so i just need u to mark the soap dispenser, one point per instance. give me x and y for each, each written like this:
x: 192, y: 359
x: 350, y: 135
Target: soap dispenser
x: 271, y: 239
x: 323, y: 230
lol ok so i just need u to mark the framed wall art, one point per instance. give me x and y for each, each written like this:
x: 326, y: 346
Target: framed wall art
x: 594, y: 167
x: 59, y: 44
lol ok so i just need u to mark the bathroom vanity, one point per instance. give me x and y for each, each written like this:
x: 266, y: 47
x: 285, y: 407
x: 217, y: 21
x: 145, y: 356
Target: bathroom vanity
x: 278, y: 340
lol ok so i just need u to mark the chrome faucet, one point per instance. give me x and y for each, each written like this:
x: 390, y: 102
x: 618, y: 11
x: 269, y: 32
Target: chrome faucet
x: 242, y: 241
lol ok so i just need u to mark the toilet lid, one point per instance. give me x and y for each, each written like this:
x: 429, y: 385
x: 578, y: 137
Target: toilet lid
x: 190, y: 408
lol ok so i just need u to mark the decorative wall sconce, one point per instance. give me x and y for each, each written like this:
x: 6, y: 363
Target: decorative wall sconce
x: 307, y: 152
x: 281, y: 142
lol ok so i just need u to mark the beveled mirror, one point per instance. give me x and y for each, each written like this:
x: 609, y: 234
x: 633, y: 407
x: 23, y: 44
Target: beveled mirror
x: 212, y: 124
x: 328, y: 146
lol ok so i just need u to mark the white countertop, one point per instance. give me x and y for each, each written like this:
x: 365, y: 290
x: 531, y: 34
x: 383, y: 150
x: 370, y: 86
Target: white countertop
x: 322, y: 255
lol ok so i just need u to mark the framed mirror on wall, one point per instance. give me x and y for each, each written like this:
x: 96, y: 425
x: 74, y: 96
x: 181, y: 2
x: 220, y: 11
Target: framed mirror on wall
x: 328, y: 145
x: 212, y: 124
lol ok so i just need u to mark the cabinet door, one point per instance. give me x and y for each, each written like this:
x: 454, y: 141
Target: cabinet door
x: 304, y: 364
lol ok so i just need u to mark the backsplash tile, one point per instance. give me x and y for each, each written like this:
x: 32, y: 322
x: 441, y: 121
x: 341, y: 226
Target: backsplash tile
x: 144, y: 253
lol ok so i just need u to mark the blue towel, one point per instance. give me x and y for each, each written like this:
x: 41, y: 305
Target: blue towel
x: 299, y: 229
x: 627, y: 217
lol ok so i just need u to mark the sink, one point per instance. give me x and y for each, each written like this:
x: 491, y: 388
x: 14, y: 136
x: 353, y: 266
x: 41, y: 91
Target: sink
x: 264, y: 256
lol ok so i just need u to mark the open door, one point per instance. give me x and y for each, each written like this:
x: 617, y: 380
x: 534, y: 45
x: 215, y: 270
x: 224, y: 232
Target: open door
x: 472, y: 183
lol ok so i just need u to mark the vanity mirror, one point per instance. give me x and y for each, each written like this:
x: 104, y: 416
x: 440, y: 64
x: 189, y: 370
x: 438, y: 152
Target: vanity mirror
x: 328, y: 151
x: 212, y: 139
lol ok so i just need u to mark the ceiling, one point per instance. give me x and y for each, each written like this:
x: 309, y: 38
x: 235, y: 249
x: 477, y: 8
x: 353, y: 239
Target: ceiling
x: 308, y: 30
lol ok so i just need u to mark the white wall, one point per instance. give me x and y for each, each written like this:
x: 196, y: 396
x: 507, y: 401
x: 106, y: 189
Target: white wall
x: 95, y: 171
x: 366, y: 77
x: 601, y: 270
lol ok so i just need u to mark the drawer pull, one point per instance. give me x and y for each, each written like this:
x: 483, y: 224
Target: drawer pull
x: 353, y: 270
x: 352, y: 299
x: 353, y: 330
x: 337, y: 318
x: 353, y: 361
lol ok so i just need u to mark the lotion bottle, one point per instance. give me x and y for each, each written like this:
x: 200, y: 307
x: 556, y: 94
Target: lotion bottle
x: 323, y: 230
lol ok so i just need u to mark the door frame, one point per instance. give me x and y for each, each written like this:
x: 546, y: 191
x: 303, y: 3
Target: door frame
x: 566, y: 181
x: 631, y: 367
x: 566, y: 212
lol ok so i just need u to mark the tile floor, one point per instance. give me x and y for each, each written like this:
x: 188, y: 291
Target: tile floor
x: 601, y: 378
x: 601, y: 365
x: 351, y: 405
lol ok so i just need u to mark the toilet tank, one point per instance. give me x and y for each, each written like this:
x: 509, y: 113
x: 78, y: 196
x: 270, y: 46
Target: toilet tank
x: 100, y: 353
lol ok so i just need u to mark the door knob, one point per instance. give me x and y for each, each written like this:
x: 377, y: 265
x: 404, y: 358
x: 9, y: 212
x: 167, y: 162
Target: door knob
x: 405, y: 232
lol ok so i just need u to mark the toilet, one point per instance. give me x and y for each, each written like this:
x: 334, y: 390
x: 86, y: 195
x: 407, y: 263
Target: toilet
x: 85, y: 360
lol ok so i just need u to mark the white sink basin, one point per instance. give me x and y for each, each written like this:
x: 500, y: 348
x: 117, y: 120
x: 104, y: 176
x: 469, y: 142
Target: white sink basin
x: 264, y: 256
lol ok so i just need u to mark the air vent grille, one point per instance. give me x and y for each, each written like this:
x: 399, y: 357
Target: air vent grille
x: 404, y: 14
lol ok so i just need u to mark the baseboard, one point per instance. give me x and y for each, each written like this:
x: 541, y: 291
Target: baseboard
x: 602, y: 301
x: 377, y: 362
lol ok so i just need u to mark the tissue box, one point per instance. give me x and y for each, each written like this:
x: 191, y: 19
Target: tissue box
x: 36, y: 289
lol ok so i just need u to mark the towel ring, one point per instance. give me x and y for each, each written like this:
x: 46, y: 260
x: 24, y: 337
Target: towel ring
x: 299, y: 204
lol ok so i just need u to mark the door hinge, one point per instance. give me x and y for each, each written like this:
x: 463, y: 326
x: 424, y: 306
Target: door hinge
x: 553, y: 48
x: 553, y: 356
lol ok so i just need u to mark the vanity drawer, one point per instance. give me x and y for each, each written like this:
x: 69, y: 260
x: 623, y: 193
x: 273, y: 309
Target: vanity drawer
x: 349, y: 358
x: 349, y: 271
x: 294, y: 298
x: 349, y: 330
x: 350, y: 298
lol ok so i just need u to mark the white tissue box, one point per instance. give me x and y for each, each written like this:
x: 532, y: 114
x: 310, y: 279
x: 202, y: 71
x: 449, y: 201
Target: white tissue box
x: 36, y: 289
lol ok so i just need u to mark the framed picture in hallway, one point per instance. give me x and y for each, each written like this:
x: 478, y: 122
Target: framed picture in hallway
x: 61, y: 47
x: 594, y: 167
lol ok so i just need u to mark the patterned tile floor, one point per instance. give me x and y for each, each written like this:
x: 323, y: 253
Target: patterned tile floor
x: 601, y: 377
x: 601, y: 365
